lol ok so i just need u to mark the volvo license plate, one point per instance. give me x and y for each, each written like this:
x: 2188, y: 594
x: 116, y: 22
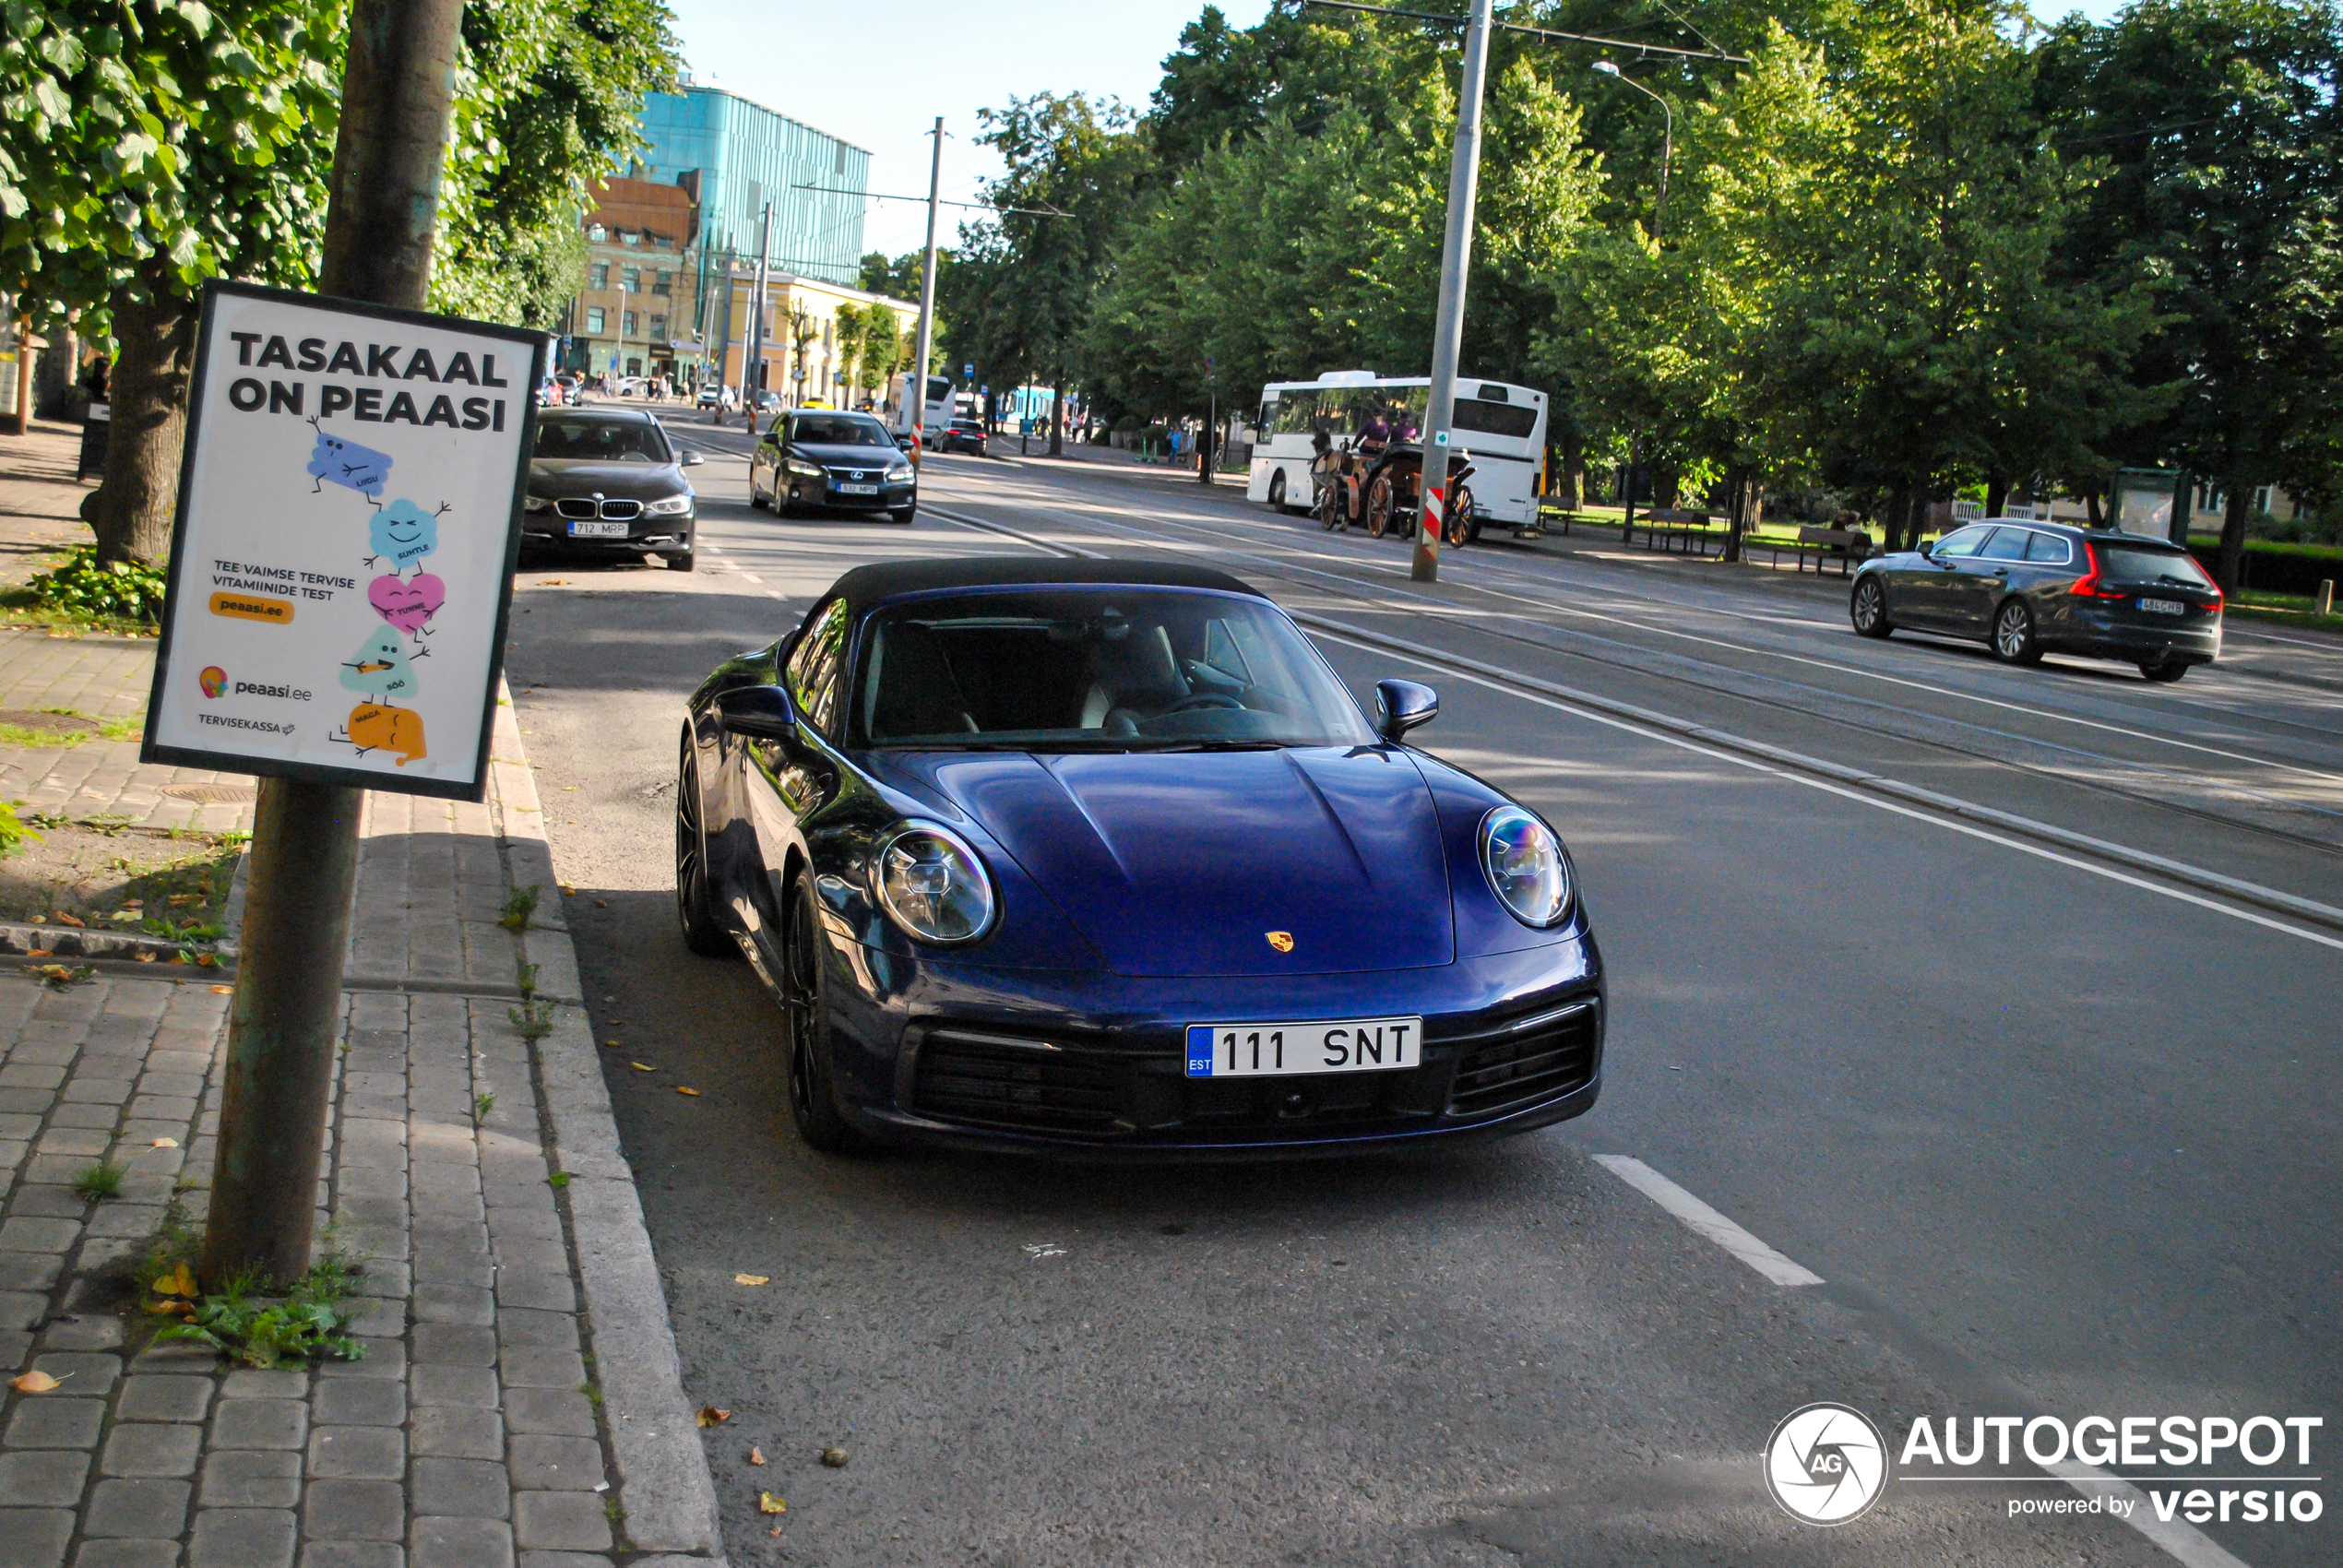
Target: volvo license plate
x: 598, y: 530
x: 2163, y: 607
x: 1294, y: 1050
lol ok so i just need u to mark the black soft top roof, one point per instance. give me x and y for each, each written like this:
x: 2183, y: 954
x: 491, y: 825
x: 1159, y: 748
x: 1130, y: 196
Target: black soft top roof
x: 866, y: 586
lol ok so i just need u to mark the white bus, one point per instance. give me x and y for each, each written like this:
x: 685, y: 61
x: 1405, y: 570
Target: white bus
x: 1502, y: 425
x: 938, y: 415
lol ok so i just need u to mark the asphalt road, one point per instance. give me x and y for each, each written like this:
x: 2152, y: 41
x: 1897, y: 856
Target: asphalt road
x: 2057, y: 1138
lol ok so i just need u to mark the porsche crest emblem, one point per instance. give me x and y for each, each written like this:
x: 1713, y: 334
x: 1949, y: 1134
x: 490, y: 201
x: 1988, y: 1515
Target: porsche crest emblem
x: 1280, y: 940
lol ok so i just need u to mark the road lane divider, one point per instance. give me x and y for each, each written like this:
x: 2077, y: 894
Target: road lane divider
x: 1706, y: 1221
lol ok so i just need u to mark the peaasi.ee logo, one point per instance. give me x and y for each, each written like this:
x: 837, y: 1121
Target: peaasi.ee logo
x: 1826, y: 1464
x: 214, y: 680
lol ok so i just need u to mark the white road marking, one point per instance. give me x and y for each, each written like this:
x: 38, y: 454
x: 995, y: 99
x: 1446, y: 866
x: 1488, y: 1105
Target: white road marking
x: 1707, y: 1222
x: 2185, y: 1542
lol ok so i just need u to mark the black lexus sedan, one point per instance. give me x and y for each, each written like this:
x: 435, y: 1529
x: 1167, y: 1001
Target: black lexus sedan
x: 2027, y: 588
x: 827, y: 459
x: 606, y: 481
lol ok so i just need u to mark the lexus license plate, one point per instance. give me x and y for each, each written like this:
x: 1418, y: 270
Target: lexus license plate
x: 857, y: 490
x: 598, y: 530
x: 2163, y: 607
x: 1272, y: 1050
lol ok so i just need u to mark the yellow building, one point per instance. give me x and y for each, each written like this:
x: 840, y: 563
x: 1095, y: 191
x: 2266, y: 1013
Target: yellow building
x: 802, y: 356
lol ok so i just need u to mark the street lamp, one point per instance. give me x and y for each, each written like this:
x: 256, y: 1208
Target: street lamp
x: 1667, y: 141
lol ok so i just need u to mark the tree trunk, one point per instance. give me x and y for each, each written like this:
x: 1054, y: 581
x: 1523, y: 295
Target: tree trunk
x: 2091, y: 513
x: 148, y: 392
x: 1901, y: 533
x: 1738, y: 493
x: 52, y: 377
x: 2236, y: 505
x: 1057, y: 416
x: 1996, y: 494
x: 1664, y: 483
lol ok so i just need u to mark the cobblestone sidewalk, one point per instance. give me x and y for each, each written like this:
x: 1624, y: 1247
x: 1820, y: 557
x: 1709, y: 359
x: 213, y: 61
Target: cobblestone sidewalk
x: 518, y: 1402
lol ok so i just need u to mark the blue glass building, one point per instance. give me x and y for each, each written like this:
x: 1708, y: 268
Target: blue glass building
x: 748, y: 155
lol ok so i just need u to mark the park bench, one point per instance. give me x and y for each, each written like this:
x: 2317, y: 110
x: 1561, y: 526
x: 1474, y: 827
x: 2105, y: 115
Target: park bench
x: 1666, y: 530
x: 1845, y: 546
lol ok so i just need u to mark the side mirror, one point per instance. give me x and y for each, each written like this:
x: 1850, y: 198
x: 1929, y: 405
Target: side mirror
x: 761, y: 713
x: 1927, y: 551
x: 693, y: 459
x: 1400, y: 705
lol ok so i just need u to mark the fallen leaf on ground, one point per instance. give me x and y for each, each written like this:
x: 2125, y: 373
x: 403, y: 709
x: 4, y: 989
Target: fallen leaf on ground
x: 224, y: 991
x: 598, y: 904
x: 757, y: 1456
x: 834, y: 1457
x: 146, y: 957
x: 710, y: 1415
x: 642, y: 1067
x: 166, y: 1142
x: 768, y: 1504
x: 680, y: 1089
x: 35, y: 1381
x: 70, y: 919
x: 180, y: 1281
x: 752, y: 1280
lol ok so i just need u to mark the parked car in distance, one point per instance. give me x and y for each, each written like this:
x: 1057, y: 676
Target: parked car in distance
x: 714, y: 396
x: 549, y: 393
x: 828, y: 460
x: 963, y: 436
x: 1101, y: 859
x: 608, y: 481
x: 2026, y: 589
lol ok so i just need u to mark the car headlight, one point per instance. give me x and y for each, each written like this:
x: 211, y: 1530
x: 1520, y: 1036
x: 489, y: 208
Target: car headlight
x: 538, y: 504
x: 668, y: 507
x: 804, y: 469
x: 934, y: 886
x: 1525, y: 865
x: 899, y: 473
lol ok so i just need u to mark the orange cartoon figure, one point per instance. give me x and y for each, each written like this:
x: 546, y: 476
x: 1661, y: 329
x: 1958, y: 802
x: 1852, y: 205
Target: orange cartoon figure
x: 378, y: 726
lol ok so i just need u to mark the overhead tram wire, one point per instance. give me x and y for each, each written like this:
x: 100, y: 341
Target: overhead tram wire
x: 1444, y: 20
x: 978, y: 206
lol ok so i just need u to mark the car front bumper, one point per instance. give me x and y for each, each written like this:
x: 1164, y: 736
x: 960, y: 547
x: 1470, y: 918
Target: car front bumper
x: 824, y: 493
x: 1086, y: 1065
x: 644, y: 536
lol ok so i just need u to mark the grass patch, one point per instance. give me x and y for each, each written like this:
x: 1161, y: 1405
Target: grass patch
x: 62, y: 727
x: 2297, y: 610
x: 240, y: 1320
x: 533, y: 1020
x: 520, y: 908
x: 100, y: 1182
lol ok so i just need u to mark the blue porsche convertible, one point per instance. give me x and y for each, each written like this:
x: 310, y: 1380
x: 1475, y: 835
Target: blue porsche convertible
x: 1100, y: 858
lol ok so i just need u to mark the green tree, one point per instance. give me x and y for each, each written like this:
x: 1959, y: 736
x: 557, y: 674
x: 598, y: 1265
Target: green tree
x: 2219, y: 127
x: 147, y: 146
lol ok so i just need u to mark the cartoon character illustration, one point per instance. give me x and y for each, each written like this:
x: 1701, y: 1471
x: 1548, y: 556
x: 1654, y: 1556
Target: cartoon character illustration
x: 407, y: 602
x: 346, y: 462
x: 379, y: 668
x: 404, y: 532
x: 214, y: 680
x: 376, y: 726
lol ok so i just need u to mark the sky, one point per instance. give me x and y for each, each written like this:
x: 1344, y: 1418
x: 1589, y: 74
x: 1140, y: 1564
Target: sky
x: 877, y: 73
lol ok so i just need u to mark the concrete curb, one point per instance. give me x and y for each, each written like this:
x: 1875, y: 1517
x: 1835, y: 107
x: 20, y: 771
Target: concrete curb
x: 2270, y: 899
x: 664, y: 1483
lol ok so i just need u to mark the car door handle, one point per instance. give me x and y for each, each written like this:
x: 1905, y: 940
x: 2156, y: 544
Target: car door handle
x: 2001, y: 571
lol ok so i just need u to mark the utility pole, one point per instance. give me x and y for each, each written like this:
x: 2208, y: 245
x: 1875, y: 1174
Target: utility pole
x: 1455, y: 260
x: 927, y: 288
x: 752, y: 361
x: 388, y: 151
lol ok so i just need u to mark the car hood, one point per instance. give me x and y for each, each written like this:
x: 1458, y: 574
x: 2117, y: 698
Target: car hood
x: 1181, y: 864
x: 636, y: 481
x: 848, y: 457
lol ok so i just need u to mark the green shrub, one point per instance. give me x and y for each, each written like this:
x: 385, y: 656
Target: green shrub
x: 13, y: 831
x: 85, y: 588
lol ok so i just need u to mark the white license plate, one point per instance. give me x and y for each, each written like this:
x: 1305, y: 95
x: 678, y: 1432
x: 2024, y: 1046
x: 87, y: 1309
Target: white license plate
x: 598, y: 530
x: 857, y: 490
x: 2163, y: 607
x: 1274, y: 1051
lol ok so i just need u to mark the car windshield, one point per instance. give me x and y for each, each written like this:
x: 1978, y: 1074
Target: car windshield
x: 1097, y: 668
x: 2145, y: 564
x: 838, y: 430
x: 602, y: 441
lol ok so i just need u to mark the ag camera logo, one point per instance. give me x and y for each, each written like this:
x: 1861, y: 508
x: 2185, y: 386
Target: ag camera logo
x: 1826, y: 1464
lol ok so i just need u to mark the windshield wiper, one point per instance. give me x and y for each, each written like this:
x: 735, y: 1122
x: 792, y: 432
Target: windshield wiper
x: 1223, y: 746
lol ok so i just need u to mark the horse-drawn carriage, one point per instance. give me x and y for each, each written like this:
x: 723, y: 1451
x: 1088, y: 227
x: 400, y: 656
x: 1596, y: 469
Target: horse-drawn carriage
x: 1383, y: 492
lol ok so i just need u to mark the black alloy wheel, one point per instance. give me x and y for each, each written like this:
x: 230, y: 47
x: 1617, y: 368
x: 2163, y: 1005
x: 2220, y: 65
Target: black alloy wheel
x: 1276, y: 491
x: 695, y: 903
x: 2166, y: 673
x: 805, y: 1028
x: 1868, y: 607
x: 2013, y: 634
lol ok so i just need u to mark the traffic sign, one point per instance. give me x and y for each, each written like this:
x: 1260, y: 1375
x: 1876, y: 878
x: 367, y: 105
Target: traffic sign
x: 349, y: 502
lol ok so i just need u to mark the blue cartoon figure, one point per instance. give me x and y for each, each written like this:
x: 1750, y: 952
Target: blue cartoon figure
x: 404, y: 532
x: 379, y: 668
x: 345, y: 462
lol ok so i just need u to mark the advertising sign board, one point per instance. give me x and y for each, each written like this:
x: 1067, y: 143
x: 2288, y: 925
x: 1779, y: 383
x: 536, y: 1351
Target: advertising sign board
x: 349, y: 522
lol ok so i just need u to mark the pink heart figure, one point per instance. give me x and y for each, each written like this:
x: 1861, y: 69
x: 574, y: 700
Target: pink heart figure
x: 407, y: 604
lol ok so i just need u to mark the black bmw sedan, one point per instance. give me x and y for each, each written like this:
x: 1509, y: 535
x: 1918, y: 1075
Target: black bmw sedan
x: 606, y: 481
x: 2027, y: 588
x: 831, y: 460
